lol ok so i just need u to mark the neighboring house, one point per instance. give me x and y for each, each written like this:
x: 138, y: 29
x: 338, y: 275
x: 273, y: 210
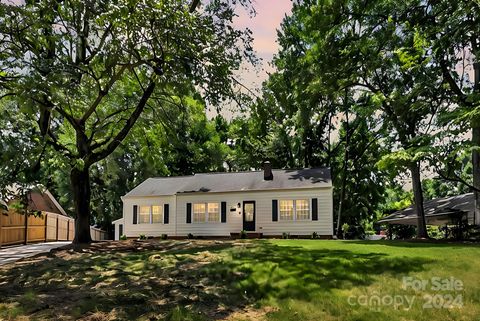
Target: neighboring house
x: 439, y: 211
x: 268, y: 203
x: 46, y: 220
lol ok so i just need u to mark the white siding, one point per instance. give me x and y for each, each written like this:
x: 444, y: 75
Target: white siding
x: 263, y: 203
x: 117, y: 223
x: 157, y: 229
x: 263, y: 208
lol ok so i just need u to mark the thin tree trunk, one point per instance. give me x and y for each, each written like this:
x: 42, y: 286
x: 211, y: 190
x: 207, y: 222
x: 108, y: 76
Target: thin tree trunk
x: 476, y: 153
x: 344, y: 178
x: 418, y: 200
x: 80, y: 180
x: 340, y: 204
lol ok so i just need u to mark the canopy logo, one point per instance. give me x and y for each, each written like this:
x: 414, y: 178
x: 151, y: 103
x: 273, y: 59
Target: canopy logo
x: 440, y: 293
x: 376, y: 301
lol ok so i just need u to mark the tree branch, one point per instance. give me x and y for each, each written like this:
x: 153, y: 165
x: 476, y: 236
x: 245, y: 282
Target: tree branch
x: 456, y: 179
x: 102, y: 93
x: 453, y: 85
x: 97, y: 128
x: 56, y: 145
x: 95, y: 157
x: 194, y: 5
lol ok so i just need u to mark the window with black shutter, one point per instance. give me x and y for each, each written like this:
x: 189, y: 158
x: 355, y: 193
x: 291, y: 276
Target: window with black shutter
x: 135, y: 209
x: 274, y: 210
x: 166, y: 214
x: 314, y: 209
x: 189, y: 212
x: 224, y: 212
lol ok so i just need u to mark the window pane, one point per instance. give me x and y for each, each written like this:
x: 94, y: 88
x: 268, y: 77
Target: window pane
x: 157, y: 214
x: 286, y: 210
x: 303, y: 210
x: 249, y: 212
x: 199, y: 212
x: 144, y: 215
x: 213, y: 212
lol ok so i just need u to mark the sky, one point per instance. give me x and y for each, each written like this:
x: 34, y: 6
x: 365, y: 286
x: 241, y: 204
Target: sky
x: 264, y: 25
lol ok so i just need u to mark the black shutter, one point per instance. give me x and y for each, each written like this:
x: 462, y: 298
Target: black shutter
x: 224, y: 212
x: 120, y: 230
x: 274, y: 210
x: 314, y: 209
x: 166, y: 209
x: 189, y: 212
x: 135, y: 207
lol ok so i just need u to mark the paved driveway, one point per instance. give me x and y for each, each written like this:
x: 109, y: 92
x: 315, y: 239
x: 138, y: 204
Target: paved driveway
x: 15, y: 253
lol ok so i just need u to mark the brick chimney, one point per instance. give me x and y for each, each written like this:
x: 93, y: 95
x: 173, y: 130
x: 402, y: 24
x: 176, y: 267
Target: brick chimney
x: 267, y: 171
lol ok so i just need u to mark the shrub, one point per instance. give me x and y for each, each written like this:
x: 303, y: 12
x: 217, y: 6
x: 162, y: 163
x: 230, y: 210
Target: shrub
x: 285, y: 235
x: 190, y: 236
x: 401, y: 232
x: 354, y: 232
x: 123, y: 237
x: 435, y: 232
x: 164, y: 236
x: 243, y: 234
x: 345, y: 227
x: 142, y: 237
x: 314, y: 235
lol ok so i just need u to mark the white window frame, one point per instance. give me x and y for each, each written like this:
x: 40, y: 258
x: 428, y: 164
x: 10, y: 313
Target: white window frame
x: 162, y: 214
x: 206, y: 221
x: 193, y: 212
x: 295, y: 210
x: 279, y: 211
x: 150, y: 214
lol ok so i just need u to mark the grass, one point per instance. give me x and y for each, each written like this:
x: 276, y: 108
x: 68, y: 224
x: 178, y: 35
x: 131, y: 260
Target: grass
x: 273, y: 280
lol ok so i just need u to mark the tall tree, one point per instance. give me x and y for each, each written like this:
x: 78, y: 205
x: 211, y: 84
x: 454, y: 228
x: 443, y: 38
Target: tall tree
x: 87, y: 70
x: 371, y: 49
x: 303, y: 120
x: 153, y: 148
x: 453, y: 28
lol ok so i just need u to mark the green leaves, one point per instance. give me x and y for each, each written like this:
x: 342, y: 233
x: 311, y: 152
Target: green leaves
x: 82, y: 74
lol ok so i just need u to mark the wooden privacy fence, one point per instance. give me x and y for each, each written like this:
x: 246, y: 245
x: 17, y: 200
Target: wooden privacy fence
x: 98, y: 234
x: 14, y: 229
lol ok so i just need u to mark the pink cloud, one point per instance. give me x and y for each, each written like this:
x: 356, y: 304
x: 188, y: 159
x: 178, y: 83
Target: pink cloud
x: 264, y: 25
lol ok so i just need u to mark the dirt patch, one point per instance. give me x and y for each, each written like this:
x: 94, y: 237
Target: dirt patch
x: 250, y: 314
x: 123, y: 280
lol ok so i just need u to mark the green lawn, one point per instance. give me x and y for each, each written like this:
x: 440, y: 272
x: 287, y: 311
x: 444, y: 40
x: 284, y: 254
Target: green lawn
x: 247, y: 280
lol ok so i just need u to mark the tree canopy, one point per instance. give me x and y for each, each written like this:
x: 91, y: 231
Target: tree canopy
x: 87, y: 71
x: 99, y: 95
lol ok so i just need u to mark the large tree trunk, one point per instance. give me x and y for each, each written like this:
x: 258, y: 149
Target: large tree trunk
x: 80, y: 180
x: 476, y: 153
x: 418, y: 200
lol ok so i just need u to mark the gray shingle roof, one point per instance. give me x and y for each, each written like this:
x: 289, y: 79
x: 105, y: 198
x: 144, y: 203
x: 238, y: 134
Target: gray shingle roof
x: 437, y: 211
x: 234, y: 182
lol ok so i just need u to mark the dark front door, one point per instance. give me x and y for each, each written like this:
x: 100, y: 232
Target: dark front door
x: 249, y: 216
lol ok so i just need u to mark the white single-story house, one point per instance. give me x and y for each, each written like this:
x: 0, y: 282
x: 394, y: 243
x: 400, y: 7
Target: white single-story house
x: 266, y: 203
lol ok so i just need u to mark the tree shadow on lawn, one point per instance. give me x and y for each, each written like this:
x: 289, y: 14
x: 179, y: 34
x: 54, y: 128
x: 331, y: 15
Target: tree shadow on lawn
x: 281, y: 272
x: 207, y: 282
x: 417, y: 243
